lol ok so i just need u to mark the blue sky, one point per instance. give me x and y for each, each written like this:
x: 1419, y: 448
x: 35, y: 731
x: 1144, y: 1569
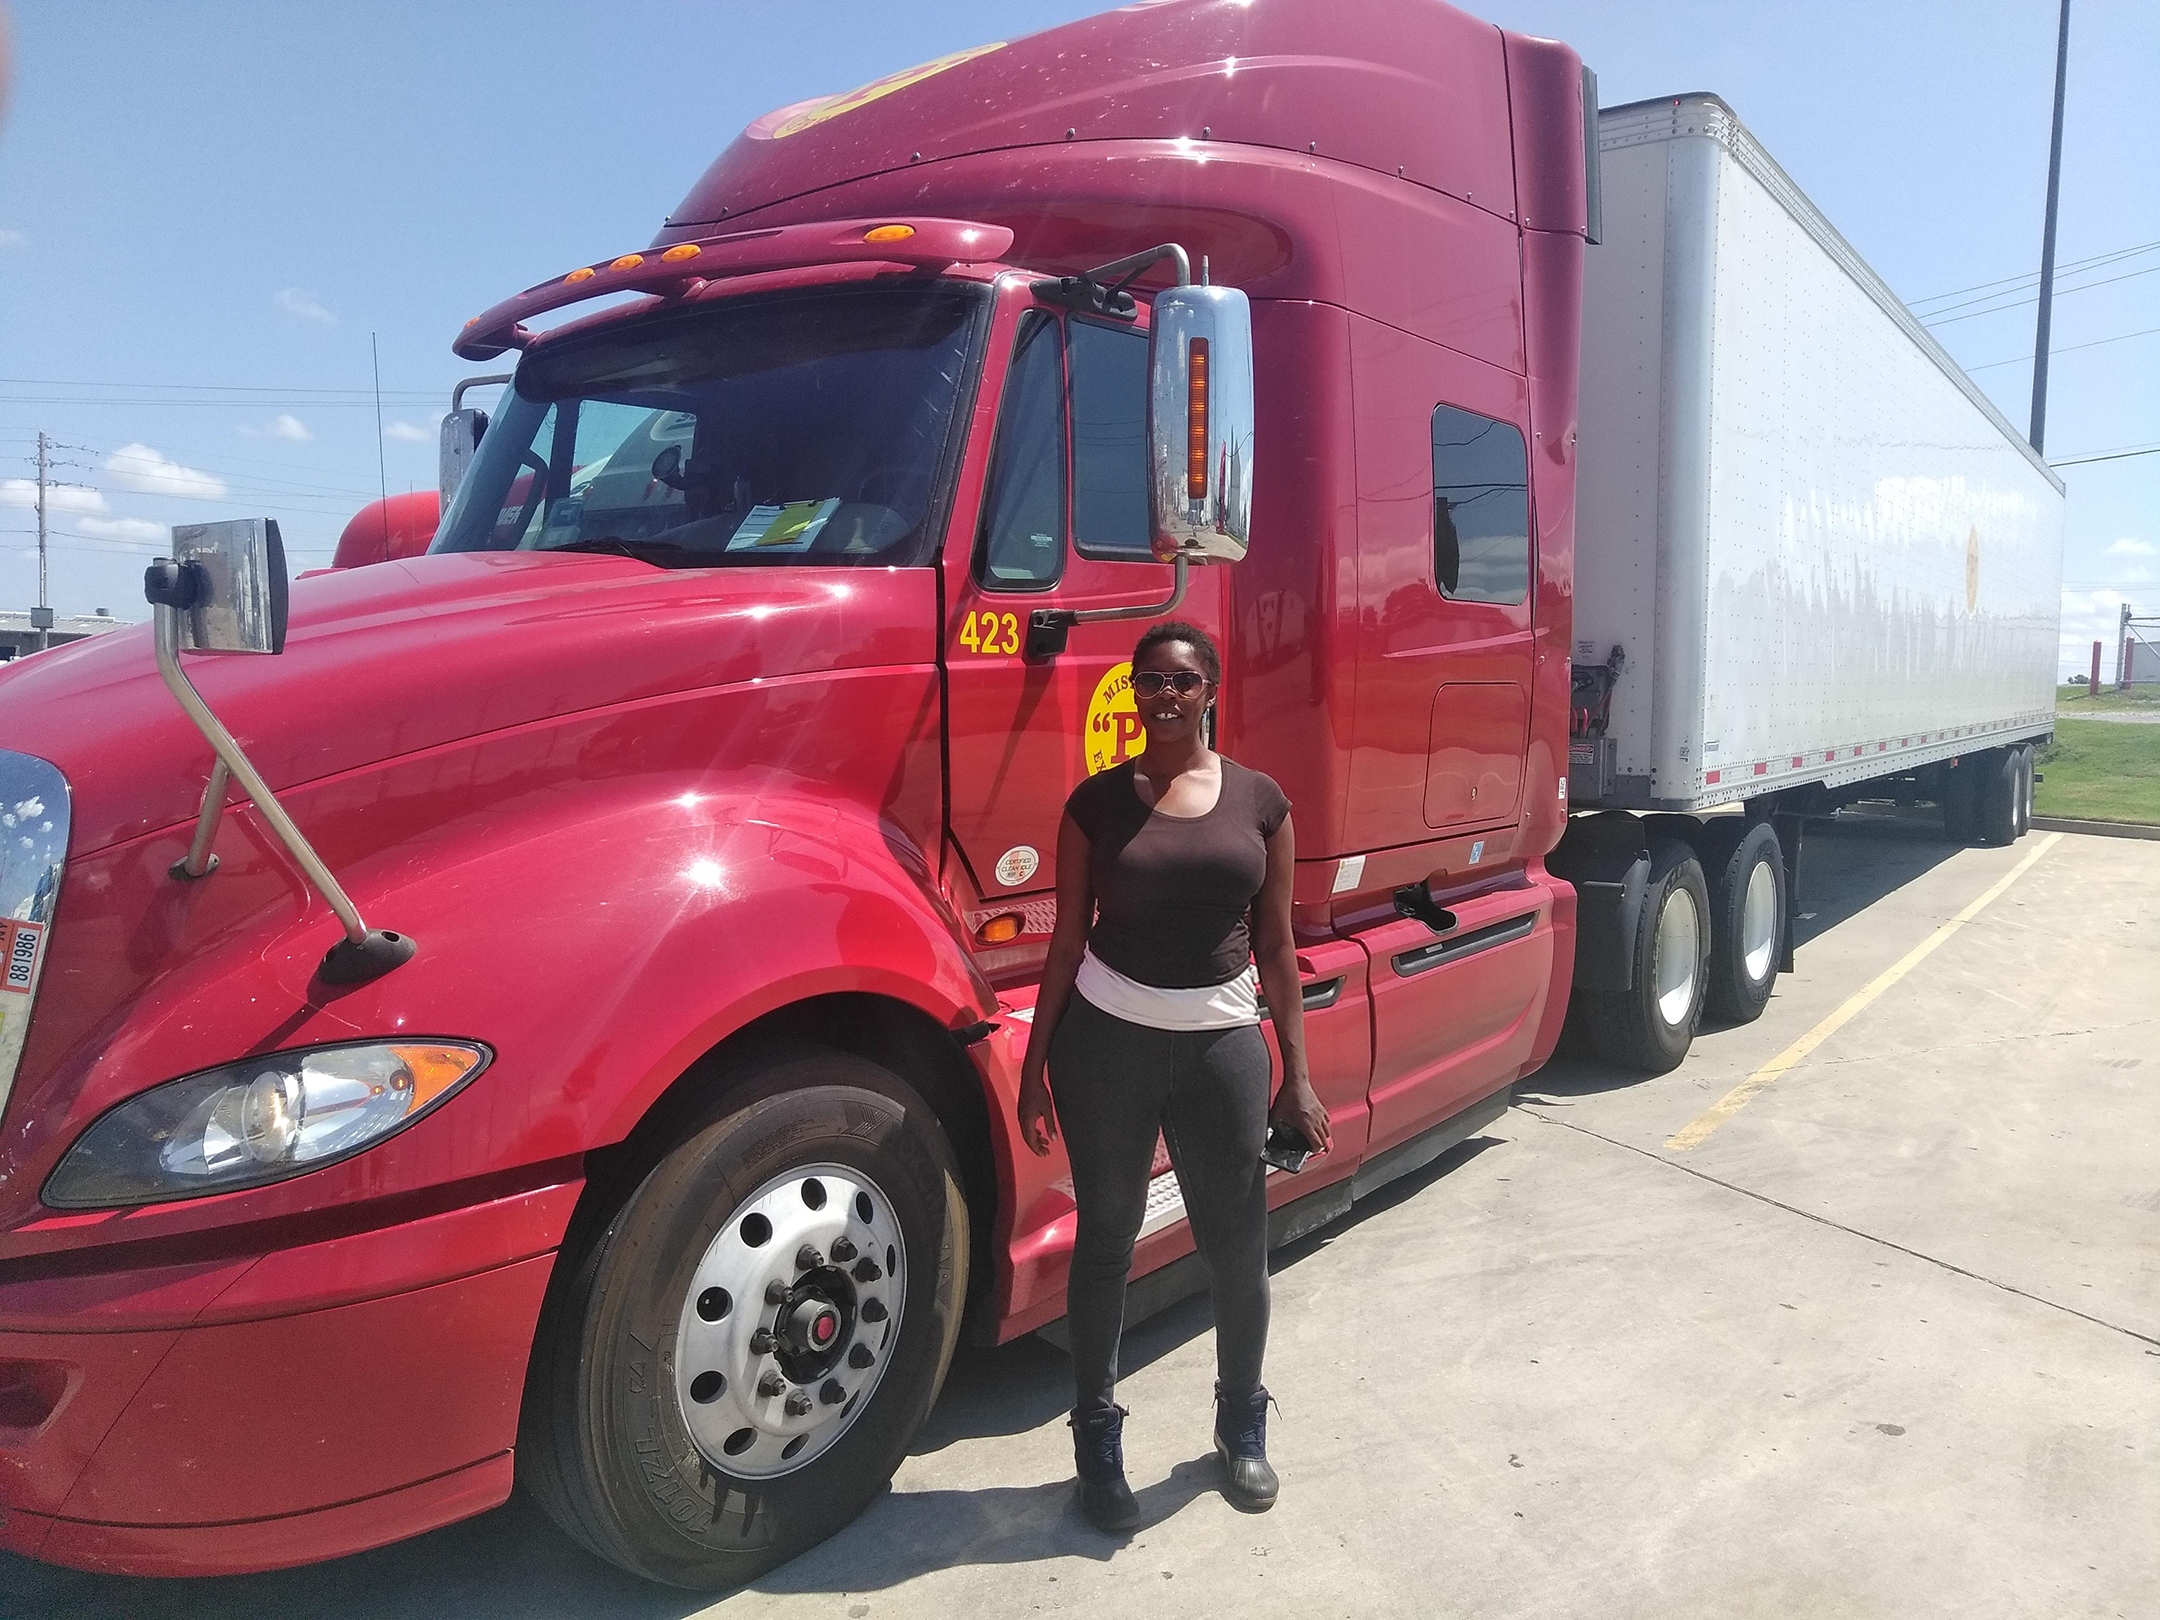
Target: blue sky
x: 207, y: 208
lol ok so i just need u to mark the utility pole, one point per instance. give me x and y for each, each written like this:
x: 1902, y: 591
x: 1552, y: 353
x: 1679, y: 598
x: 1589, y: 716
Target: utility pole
x: 42, y: 619
x: 2047, y: 241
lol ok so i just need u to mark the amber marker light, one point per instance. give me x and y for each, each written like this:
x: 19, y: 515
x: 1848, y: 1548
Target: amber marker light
x: 629, y: 261
x: 1196, y: 423
x: 888, y: 233
x: 586, y: 273
x: 679, y: 252
x: 435, y: 1069
x: 1002, y: 929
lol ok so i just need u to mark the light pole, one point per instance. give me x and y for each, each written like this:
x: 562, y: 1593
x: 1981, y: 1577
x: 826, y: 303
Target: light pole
x: 2047, y: 241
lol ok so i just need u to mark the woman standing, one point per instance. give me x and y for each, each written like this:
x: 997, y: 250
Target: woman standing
x: 1173, y: 882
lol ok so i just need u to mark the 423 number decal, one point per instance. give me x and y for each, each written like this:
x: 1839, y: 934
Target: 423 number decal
x: 992, y: 633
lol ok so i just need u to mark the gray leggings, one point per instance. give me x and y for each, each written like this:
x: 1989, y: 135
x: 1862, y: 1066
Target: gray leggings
x: 1207, y: 1090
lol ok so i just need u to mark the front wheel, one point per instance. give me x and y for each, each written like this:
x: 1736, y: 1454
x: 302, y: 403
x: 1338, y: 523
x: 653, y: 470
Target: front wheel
x: 733, y: 1367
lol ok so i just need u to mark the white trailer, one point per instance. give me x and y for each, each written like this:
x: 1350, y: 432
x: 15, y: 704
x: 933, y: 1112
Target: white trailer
x: 1824, y: 554
x: 1813, y: 563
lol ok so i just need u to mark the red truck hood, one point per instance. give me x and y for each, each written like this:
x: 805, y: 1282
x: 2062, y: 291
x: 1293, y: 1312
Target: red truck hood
x: 385, y: 661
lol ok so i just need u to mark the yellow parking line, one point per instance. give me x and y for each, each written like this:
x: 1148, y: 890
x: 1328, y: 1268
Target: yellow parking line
x: 1694, y: 1132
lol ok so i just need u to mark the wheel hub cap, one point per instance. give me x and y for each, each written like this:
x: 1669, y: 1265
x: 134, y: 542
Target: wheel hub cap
x: 1758, y: 922
x: 778, y: 1348
x: 1679, y: 955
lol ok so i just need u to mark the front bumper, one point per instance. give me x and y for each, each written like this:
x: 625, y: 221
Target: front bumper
x: 255, y: 1412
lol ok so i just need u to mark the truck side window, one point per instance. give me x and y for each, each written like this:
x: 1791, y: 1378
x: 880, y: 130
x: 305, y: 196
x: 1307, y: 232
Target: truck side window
x: 1023, y: 533
x: 1481, y: 508
x: 1110, y: 448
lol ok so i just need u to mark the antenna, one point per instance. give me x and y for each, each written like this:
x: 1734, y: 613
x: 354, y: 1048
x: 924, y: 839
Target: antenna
x: 382, y: 468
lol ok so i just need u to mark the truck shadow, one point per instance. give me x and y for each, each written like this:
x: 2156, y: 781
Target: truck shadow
x: 1848, y: 862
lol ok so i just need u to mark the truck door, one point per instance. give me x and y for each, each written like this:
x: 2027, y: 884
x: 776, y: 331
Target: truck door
x: 1445, y: 560
x: 1062, y: 523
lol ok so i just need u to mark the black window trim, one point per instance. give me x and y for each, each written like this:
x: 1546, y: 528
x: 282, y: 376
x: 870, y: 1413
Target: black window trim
x: 1072, y: 449
x: 979, y: 567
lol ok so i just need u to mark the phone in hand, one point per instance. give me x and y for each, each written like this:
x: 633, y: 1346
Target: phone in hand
x: 1286, y: 1147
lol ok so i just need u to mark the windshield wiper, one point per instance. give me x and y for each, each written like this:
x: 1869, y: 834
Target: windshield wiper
x: 650, y: 551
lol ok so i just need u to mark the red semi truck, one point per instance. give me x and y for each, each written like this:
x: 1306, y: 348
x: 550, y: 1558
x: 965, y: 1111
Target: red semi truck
x: 559, y: 1020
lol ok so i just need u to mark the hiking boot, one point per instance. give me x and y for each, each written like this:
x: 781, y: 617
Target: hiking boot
x: 1241, y: 1443
x: 1099, y: 1460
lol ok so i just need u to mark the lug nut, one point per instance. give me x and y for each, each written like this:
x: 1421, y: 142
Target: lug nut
x: 860, y: 1356
x: 867, y: 1272
x: 797, y: 1404
x: 807, y: 1258
x: 762, y: 1342
x: 776, y: 1292
x: 873, y: 1310
x: 771, y: 1384
x: 842, y: 1251
x: 830, y: 1393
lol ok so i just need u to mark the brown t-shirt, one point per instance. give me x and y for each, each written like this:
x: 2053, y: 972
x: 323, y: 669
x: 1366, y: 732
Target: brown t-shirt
x: 1173, y: 893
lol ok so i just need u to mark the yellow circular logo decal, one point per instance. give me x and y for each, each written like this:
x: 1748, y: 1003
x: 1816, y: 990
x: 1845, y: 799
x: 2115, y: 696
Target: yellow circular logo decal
x: 1113, y: 733
x: 833, y: 106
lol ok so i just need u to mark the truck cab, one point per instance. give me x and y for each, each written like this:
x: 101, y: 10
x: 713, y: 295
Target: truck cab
x: 708, y: 767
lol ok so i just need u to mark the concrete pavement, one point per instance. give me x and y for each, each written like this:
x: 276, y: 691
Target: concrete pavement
x: 1886, y: 1342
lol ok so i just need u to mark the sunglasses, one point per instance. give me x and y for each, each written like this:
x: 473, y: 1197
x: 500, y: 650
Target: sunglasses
x: 1153, y: 683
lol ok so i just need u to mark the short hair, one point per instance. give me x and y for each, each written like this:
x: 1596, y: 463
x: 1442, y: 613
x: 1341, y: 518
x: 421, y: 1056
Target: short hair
x: 1192, y: 635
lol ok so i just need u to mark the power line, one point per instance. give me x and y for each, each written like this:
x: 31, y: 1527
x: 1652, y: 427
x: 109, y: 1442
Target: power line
x: 187, y: 388
x: 2060, y: 292
x: 2119, y: 455
x: 2030, y: 277
x: 2067, y: 348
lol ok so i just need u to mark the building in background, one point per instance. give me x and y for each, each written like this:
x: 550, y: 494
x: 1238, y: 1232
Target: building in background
x: 19, y: 635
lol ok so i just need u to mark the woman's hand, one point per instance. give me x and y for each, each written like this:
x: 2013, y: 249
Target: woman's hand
x: 1296, y: 1106
x: 1038, y: 1116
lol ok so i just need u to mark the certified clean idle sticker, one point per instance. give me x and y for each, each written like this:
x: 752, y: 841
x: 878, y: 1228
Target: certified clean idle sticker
x: 1113, y: 733
x: 1017, y: 865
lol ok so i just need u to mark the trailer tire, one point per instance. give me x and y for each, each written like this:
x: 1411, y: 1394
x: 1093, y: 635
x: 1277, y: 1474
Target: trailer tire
x: 1995, y: 810
x: 1745, y: 870
x: 673, y: 1429
x: 1650, y: 1025
x: 2024, y: 788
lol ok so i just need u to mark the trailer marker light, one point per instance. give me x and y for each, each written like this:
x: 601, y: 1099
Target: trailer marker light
x: 888, y: 233
x: 584, y: 273
x: 1196, y: 419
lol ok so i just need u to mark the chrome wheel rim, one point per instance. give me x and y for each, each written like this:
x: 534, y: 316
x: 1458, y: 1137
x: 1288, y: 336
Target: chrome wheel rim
x: 1679, y: 957
x: 1758, y: 922
x: 789, y: 1321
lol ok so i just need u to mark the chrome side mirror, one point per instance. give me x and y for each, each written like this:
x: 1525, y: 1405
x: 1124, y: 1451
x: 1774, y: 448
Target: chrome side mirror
x: 462, y: 431
x: 226, y: 584
x: 1200, y: 422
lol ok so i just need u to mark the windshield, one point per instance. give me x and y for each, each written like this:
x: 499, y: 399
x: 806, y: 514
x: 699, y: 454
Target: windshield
x: 800, y: 428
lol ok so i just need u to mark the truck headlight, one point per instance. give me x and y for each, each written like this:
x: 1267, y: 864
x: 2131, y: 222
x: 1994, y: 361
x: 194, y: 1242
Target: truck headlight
x: 263, y: 1120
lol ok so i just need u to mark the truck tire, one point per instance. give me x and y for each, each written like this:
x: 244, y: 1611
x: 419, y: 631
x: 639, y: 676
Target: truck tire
x: 731, y: 1367
x: 1745, y: 871
x: 2024, y: 788
x: 1996, y: 795
x: 1649, y: 1026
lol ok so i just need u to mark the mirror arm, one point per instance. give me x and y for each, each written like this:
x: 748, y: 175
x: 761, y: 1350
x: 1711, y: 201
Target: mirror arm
x: 457, y: 394
x: 1048, y: 627
x: 364, y: 953
x: 1101, y: 291
x: 198, y: 862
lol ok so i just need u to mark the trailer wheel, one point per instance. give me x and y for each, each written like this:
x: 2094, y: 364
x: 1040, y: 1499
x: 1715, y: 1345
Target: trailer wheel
x: 1745, y: 870
x: 2000, y: 782
x: 2024, y: 788
x: 731, y: 1369
x: 1650, y: 1025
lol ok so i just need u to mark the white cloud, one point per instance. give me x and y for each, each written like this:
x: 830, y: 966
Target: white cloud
x: 146, y: 472
x: 2131, y: 546
x: 282, y: 426
x: 122, y: 529
x: 303, y: 306
x: 407, y: 433
x: 22, y: 492
x: 13, y: 239
x: 2087, y: 617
